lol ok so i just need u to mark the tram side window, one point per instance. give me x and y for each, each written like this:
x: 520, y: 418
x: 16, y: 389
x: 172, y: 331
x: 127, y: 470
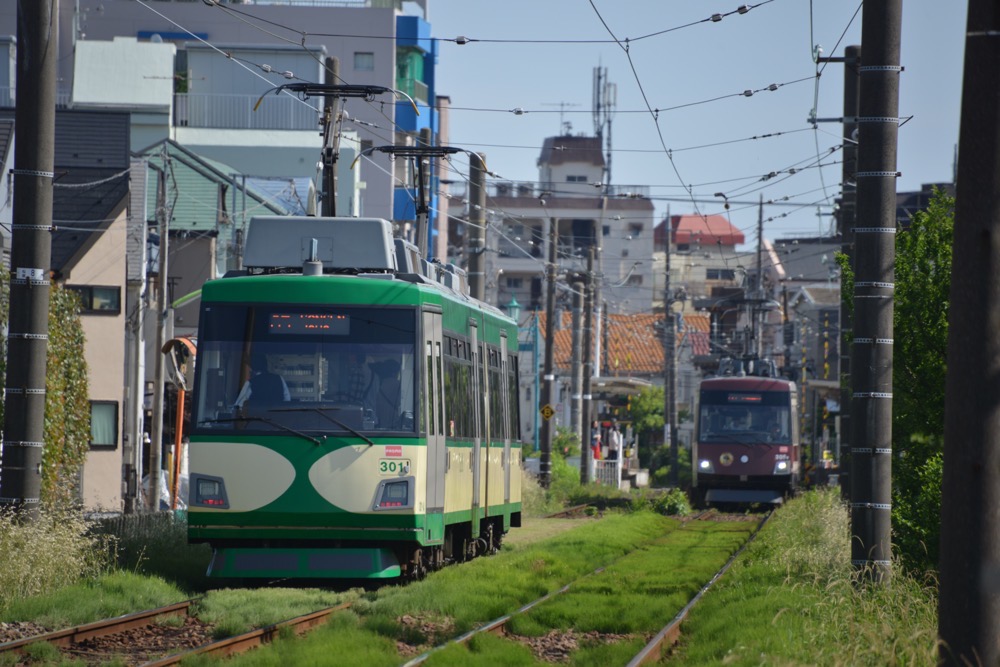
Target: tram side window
x: 512, y: 404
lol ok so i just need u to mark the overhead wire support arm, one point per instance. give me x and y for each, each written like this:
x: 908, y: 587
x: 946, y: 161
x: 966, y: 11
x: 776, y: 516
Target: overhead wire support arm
x: 333, y: 93
x: 417, y: 153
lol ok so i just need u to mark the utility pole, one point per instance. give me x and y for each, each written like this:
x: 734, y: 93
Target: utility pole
x: 605, y: 335
x: 331, y: 139
x: 477, y: 226
x: 669, y: 367
x: 586, y: 411
x: 758, y: 329
x: 969, y: 602
x: 875, y: 254
x: 31, y: 253
x: 846, y: 217
x: 575, y: 365
x: 155, y: 453
x: 548, y: 387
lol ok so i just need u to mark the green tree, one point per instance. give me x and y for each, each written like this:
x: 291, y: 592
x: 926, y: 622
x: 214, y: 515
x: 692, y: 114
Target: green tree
x: 923, y: 278
x: 646, y: 410
x: 66, y: 431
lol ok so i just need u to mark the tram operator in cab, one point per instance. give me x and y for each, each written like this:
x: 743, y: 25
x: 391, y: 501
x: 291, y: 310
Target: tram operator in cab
x: 262, y: 386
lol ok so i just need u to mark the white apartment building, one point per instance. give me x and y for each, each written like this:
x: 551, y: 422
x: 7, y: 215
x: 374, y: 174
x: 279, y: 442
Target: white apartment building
x: 616, y: 221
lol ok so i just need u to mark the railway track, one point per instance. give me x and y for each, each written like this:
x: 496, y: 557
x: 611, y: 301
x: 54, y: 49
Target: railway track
x: 651, y: 652
x: 170, y: 634
x: 137, y: 638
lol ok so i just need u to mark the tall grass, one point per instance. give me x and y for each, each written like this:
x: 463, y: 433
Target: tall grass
x: 794, y: 598
x: 156, y: 545
x: 41, y: 556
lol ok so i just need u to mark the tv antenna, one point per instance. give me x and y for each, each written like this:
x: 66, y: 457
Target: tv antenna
x: 565, y: 127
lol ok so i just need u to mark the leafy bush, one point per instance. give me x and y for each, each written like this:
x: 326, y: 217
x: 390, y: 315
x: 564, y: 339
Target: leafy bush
x: 566, y: 442
x: 661, y: 463
x: 564, y: 478
x: 67, y: 405
x: 671, y: 503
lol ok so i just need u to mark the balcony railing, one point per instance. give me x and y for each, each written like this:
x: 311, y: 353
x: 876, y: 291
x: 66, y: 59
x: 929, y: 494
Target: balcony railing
x: 533, y: 189
x: 8, y: 95
x: 276, y: 112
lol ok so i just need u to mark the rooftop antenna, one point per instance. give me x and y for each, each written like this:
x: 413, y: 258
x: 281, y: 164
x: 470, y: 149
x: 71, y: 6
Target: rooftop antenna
x: 564, y: 125
x: 605, y: 100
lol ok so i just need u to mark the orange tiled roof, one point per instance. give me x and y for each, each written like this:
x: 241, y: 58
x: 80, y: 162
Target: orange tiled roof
x: 634, y: 343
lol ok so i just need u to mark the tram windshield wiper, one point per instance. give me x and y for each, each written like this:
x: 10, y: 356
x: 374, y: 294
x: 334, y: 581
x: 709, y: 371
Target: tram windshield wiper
x: 271, y: 422
x: 322, y: 413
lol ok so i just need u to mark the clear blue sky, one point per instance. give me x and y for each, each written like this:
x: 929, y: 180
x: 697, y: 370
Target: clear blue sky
x: 772, y: 43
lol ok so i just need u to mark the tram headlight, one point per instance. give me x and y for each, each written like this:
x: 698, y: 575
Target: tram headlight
x: 782, y: 464
x: 705, y: 466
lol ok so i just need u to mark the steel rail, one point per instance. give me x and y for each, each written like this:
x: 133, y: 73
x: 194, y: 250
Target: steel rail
x: 109, y: 626
x: 671, y: 633
x: 498, y: 625
x: 240, y: 643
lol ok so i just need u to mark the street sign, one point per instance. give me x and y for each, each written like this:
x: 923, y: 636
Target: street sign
x: 547, y: 411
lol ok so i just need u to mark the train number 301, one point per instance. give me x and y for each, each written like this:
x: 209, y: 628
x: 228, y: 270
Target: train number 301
x: 393, y: 466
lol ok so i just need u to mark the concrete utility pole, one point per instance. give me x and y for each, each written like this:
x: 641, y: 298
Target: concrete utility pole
x: 586, y: 412
x: 669, y: 367
x: 875, y: 255
x: 576, y: 368
x: 477, y: 226
x: 969, y: 603
x: 31, y: 253
x: 155, y: 454
x: 548, y: 380
x: 846, y: 217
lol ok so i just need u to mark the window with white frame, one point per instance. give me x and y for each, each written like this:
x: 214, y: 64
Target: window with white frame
x: 103, y: 424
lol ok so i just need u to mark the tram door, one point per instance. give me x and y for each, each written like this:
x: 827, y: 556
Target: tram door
x: 478, y: 391
x: 504, y: 421
x: 433, y: 385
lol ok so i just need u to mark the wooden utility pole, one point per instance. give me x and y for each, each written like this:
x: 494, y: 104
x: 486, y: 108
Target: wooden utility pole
x: 969, y: 607
x: 331, y: 139
x: 875, y: 254
x: 31, y: 253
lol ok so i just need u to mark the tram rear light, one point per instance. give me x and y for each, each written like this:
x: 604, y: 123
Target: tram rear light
x: 208, y: 492
x: 394, y: 495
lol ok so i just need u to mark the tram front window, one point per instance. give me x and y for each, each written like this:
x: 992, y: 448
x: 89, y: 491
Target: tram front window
x: 308, y: 368
x: 759, y: 423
